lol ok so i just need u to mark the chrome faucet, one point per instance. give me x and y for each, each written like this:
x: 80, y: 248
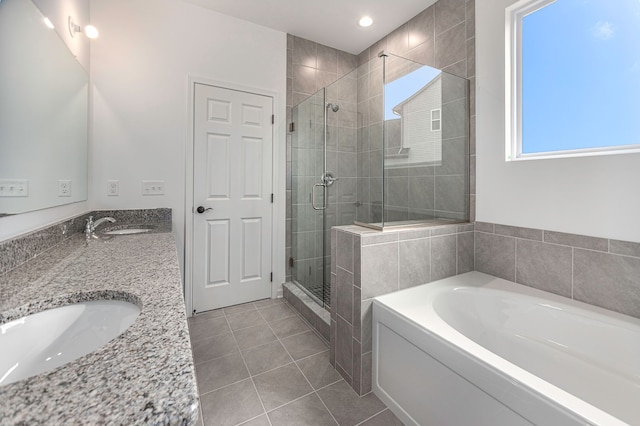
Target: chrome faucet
x: 91, y: 226
x: 102, y: 219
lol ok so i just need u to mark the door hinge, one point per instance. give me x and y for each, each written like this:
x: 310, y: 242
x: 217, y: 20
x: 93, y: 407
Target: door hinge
x: 292, y: 127
x: 271, y: 277
x: 273, y: 119
x: 271, y: 198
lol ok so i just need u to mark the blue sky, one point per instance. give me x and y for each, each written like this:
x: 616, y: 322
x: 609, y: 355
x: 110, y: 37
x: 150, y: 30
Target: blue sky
x: 404, y: 87
x: 581, y: 75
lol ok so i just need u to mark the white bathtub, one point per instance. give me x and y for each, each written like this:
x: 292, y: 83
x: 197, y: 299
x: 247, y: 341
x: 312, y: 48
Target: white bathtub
x: 478, y: 350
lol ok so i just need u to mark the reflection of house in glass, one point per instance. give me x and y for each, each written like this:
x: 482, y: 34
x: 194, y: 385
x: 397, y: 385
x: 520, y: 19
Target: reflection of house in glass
x: 419, y: 127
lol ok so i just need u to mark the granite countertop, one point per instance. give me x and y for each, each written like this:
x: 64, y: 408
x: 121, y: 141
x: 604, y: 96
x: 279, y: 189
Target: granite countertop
x: 145, y: 375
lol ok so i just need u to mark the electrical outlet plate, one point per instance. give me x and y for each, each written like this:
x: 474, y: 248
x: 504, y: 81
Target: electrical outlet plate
x: 152, y: 187
x: 14, y: 188
x: 64, y: 188
x: 113, y: 188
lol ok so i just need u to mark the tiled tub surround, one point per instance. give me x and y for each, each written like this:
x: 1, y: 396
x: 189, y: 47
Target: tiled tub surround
x: 145, y: 375
x: 597, y: 271
x: 367, y: 263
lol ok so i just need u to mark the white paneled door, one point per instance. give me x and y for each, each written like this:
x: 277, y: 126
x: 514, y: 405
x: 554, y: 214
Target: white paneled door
x: 233, y: 144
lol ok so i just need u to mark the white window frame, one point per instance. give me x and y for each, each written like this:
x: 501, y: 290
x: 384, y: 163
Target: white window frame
x: 513, y: 91
x: 438, y: 120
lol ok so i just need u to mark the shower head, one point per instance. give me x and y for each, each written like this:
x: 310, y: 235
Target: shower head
x: 334, y: 107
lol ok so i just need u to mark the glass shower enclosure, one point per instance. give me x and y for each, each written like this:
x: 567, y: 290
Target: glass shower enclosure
x: 385, y: 146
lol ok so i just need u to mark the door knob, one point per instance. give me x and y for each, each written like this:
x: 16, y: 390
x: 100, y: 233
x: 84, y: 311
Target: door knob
x: 201, y: 209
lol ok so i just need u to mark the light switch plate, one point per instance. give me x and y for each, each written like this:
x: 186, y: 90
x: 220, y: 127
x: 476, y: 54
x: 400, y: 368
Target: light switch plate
x: 152, y: 187
x: 14, y: 187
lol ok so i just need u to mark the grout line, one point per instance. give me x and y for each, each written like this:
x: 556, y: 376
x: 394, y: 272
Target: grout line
x: 573, y: 250
x: 255, y: 388
x: 222, y: 387
x: 369, y: 418
x: 515, y: 261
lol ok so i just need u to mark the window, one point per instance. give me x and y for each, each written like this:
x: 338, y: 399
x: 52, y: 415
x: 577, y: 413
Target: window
x: 573, y: 78
x: 435, y: 120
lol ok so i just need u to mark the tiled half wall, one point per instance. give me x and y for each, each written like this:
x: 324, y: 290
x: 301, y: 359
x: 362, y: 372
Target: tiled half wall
x: 366, y: 264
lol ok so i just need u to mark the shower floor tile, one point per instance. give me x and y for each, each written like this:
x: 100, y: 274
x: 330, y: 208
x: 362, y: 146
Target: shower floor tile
x: 290, y: 379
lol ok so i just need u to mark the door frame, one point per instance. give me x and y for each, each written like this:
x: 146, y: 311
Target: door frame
x: 278, y: 162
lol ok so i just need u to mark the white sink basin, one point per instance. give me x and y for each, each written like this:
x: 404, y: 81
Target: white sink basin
x: 127, y: 231
x: 41, y: 342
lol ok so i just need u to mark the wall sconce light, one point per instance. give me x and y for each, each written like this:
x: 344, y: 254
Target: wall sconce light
x: 90, y: 31
x: 48, y: 23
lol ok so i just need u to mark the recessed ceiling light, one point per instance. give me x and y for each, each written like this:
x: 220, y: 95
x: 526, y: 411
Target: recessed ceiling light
x: 48, y: 23
x: 365, y: 21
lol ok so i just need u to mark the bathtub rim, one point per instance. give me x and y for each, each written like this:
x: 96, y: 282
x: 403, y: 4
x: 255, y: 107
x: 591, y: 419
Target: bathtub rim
x: 408, y: 306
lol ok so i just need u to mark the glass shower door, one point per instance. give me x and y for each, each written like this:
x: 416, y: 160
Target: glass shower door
x: 308, y: 197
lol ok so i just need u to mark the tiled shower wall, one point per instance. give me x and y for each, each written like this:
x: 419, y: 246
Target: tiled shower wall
x: 597, y: 271
x: 442, y: 36
x: 366, y: 264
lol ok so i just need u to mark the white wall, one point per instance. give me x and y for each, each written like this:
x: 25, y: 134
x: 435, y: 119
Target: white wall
x: 140, y: 67
x: 597, y: 196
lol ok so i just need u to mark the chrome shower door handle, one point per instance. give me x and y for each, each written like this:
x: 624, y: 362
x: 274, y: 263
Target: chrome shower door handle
x: 313, y: 197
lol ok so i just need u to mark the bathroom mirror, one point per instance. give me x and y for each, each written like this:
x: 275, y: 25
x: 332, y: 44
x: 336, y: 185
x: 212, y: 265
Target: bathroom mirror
x: 43, y: 114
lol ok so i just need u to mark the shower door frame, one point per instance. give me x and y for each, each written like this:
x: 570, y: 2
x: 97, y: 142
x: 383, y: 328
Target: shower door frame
x: 317, y: 272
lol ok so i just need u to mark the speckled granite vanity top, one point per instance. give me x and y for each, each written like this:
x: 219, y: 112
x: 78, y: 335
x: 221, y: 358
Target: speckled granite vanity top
x: 145, y: 375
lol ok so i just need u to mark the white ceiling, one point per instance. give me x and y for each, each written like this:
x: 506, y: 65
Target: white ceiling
x: 333, y: 23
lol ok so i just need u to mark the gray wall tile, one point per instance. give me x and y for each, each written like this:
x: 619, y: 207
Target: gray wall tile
x: 414, y: 262
x: 379, y: 238
x: 485, y: 227
x: 581, y: 241
x: 379, y: 269
x: 465, y: 252
x: 495, y: 255
x: 327, y: 59
x: 443, y: 257
x: 398, y: 40
x: 451, y: 46
x: 304, y: 52
x: 357, y: 367
x: 367, y: 324
x: 608, y: 281
x: 357, y: 263
x: 367, y: 373
x: 344, y: 251
x: 449, y: 13
x: 344, y: 349
x: 518, y: 232
x: 544, y: 266
x: 414, y: 234
x: 344, y: 300
x: 624, y: 247
x: 304, y: 79
x: 421, y: 29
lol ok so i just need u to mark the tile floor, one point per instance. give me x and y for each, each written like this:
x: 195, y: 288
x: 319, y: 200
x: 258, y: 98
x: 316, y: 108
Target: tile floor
x: 261, y: 364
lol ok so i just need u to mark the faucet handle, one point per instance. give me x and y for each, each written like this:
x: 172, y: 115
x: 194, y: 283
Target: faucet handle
x: 89, y: 226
